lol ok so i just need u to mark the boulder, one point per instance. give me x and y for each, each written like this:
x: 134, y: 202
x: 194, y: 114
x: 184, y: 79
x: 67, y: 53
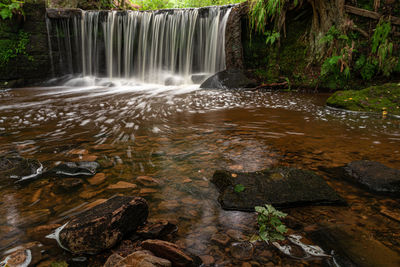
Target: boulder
x: 280, y: 187
x: 19, y: 168
x: 232, y: 79
x: 103, y: 226
x: 374, y: 176
x: 74, y: 169
x: 168, y: 251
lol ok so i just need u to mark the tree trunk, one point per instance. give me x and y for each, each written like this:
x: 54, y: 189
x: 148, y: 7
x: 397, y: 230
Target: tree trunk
x: 326, y: 13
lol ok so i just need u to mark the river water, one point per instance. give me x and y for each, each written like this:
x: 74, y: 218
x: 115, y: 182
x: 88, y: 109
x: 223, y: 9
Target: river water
x: 179, y: 135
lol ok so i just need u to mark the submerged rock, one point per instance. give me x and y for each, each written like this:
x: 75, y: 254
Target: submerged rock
x: 280, y: 187
x: 156, y: 229
x: 143, y: 259
x: 232, y: 79
x: 23, y: 256
x: 103, y: 226
x: 20, y: 168
x: 168, y: 251
x: 67, y: 185
x: 73, y: 169
x: 374, y: 176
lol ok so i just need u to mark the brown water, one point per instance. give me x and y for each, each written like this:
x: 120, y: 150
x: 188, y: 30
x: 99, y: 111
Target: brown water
x: 179, y: 136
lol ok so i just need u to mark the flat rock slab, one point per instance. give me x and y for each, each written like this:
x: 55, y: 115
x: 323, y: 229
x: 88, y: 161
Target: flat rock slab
x: 374, y: 176
x: 104, y: 225
x: 280, y: 187
x: 75, y: 169
x: 168, y: 251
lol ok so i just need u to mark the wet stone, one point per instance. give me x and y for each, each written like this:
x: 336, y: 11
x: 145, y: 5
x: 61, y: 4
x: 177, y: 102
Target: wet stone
x: 154, y: 230
x: 168, y: 251
x: 39, y: 233
x: 113, y: 260
x: 143, y: 259
x: 374, y: 176
x: 19, y: 168
x: 67, y: 185
x: 104, y: 225
x: 220, y: 238
x: 242, y: 250
x: 147, y: 181
x: 280, y: 187
x: 74, y: 169
x: 99, y: 178
x: 207, y: 260
x: 145, y: 191
x: 28, y: 255
x: 122, y: 185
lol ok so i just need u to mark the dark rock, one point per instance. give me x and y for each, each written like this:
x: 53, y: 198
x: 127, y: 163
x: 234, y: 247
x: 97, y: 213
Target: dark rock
x: 242, y: 250
x: 113, y: 260
x: 20, y: 168
x: 168, y: 251
x: 67, y: 185
x: 280, y: 187
x: 73, y: 169
x: 153, y: 230
x: 232, y: 79
x: 374, y: 176
x: 104, y: 225
x: 352, y: 246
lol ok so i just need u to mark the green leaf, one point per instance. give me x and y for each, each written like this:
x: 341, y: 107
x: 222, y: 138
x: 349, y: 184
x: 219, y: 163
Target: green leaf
x: 281, y: 229
x: 239, y: 188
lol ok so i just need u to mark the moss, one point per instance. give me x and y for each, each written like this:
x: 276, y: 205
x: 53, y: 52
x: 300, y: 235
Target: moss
x: 374, y: 98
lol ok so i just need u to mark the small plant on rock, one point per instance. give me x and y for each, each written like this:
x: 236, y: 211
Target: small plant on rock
x: 271, y: 228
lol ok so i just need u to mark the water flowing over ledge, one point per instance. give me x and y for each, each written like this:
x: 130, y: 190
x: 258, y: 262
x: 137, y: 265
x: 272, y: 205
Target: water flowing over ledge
x: 164, y: 46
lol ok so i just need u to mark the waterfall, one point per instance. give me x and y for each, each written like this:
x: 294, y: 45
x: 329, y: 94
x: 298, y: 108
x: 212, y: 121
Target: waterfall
x: 145, y: 46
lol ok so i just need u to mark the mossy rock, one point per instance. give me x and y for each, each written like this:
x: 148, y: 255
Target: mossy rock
x: 374, y: 99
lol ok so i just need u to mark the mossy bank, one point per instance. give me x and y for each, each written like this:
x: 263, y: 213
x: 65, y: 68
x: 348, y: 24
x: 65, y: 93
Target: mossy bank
x: 383, y: 98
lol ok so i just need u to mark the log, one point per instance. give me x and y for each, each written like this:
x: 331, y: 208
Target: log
x: 272, y: 85
x: 369, y: 14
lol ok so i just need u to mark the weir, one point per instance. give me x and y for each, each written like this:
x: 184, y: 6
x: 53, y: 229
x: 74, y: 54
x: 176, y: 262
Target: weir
x: 164, y: 46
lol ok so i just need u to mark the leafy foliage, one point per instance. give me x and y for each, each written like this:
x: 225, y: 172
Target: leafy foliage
x: 239, y: 188
x: 162, y: 4
x: 10, y: 7
x: 271, y: 37
x: 270, y: 225
x: 12, y: 49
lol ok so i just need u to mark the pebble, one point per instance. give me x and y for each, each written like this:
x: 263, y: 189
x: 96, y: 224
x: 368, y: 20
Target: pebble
x: 121, y: 185
x: 99, y: 178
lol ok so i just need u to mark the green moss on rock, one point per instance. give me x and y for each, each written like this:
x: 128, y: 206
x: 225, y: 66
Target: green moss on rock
x: 374, y: 98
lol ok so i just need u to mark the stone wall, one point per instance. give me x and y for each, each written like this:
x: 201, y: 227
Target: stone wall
x: 233, y: 37
x: 33, y: 66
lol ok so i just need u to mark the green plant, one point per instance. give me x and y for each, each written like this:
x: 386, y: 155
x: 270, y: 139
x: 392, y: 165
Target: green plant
x: 271, y: 37
x: 13, y: 48
x: 239, y: 188
x: 10, y: 7
x: 270, y: 225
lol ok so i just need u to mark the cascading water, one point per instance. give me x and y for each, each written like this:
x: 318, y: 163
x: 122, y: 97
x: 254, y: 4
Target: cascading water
x: 158, y: 47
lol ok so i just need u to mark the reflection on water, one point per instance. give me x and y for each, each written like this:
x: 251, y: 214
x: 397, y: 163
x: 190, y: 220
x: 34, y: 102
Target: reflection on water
x: 178, y: 136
